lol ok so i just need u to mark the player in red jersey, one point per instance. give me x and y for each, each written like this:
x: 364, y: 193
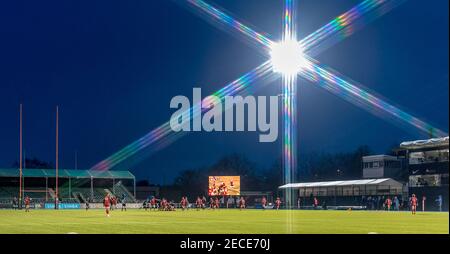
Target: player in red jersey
x: 315, y: 203
x: 27, y: 204
x: 242, y: 203
x: 216, y: 203
x: 278, y: 203
x: 183, y: 203
x: 163, y: 204
x: 388, y: 203
x: 263, y: 202
x: 153, y: 203
x: 198, y: 203
x: 113, y: 202
x: 187, y: 202
x: 107, y: 204
x: 166, y: 205
x: 413, y: 203
x: 203, y: 202
x: 211, y: 203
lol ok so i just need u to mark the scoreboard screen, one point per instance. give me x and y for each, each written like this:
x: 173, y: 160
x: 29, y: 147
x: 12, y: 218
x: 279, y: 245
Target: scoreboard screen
x: 224, y: 186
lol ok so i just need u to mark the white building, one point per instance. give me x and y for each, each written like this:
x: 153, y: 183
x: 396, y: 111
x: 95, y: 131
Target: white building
x: 381, y: 166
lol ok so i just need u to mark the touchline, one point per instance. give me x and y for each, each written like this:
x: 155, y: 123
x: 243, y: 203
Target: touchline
x: 207, y: 114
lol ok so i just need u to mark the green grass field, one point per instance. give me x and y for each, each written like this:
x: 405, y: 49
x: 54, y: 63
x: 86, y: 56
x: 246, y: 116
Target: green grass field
x: 222, y: 221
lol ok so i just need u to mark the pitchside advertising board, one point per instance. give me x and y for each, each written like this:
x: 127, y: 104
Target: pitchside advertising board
x: 91, y: 206
x: 224, y: 186
x: 118, y: 206
x: 62, y: 206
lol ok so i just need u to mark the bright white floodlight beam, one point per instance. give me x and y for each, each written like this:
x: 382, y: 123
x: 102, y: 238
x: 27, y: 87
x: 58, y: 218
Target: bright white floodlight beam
x: 287, y: 57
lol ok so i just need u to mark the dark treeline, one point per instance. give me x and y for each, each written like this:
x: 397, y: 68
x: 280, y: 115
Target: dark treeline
x: 34, y: 163
x: 312, y: 166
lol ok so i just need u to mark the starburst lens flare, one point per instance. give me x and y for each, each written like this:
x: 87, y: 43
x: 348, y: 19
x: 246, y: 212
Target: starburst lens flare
x: 164, y: 135
x: 287, y: 57
x: 347, y: 24
x: 351, y: 91
x: 338, y: 29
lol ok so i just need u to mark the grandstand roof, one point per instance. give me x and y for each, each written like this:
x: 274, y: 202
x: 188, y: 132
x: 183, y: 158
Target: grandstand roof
x: 381, y: 181
x: 378, y: 157
x: 67, y: 173
x: 425, y: 143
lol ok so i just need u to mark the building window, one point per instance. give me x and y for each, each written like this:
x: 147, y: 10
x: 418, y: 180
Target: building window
x: 429, y: 156
x: 377, y: 164
x: 428, y: 180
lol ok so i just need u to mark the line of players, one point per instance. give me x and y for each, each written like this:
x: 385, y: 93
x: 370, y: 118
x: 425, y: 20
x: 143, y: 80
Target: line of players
x: 200, y: 203
x: 214, y: 203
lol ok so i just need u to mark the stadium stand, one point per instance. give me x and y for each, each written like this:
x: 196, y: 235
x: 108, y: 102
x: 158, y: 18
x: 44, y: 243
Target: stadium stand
x: 119, y: 190
x: 346, y: 194
x: 75, y: 186
x: 84, y: 194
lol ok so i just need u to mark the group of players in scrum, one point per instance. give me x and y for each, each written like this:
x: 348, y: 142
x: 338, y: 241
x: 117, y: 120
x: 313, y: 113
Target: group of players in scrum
x: 200, y: 204
x: 214, y: 203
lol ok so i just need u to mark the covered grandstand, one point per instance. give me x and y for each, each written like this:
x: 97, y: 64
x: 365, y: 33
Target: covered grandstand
x: 350, y: 192
x: 73, y: 185
x: 383, y: 186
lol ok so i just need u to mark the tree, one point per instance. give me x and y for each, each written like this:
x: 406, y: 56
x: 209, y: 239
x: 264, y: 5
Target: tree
x: 143, y: 183
x: 191, y: 182
x: 331, y: 166
x: 273, y: 177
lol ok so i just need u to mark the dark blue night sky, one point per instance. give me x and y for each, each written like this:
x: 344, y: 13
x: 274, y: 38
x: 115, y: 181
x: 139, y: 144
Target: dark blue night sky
x: 113, y: 67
